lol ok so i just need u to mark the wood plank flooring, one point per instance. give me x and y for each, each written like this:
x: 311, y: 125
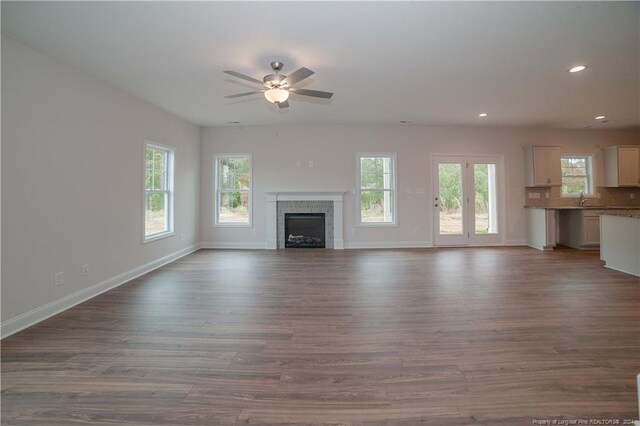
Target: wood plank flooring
x: 483, y: 336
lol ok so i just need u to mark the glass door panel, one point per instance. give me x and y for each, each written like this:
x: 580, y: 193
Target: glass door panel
x: 449, y: 201
x: 467, y: 200
x: 486, y: 206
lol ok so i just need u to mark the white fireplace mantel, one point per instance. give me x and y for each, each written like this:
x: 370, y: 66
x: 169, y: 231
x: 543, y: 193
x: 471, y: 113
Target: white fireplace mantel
x: 272, y: 210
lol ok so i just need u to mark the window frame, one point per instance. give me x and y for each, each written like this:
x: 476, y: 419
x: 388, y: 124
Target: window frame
x: 216, y: 192
x: 393, y: 190
x: 590, y: 176
x: 169, y: 191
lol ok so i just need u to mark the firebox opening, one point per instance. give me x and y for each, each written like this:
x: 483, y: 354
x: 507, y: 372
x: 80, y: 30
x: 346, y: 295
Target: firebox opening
x: 304, y: 230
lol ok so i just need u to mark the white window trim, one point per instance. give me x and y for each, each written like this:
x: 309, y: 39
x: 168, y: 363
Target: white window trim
x: 216, y: 221
x: 591, y: 165
x: 394, y: 190
x: 170, y: 191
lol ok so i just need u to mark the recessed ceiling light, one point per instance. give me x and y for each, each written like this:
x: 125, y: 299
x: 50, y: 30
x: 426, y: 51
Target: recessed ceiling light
x: 578, y: 68
x: 601, y: 117
x: 483, y: 114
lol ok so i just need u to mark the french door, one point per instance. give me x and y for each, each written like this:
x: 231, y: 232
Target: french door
x: 467, y: 200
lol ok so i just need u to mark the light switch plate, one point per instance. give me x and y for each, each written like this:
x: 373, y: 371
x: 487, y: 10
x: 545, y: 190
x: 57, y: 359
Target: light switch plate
x: 58, y: 278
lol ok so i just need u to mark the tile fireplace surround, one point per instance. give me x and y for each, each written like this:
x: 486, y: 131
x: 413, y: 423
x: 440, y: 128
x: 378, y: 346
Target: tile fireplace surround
x: 272, y: 213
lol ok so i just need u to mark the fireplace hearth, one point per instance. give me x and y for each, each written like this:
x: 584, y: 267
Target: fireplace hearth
x: 304, y: 230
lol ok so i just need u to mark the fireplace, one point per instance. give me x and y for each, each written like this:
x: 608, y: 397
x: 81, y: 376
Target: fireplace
x: 304, y: 230
x: 281, y: 203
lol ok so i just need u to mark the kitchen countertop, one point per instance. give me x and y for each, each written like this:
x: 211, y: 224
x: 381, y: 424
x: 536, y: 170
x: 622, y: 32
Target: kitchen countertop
x: 624, y: 213
x: 582, y: 207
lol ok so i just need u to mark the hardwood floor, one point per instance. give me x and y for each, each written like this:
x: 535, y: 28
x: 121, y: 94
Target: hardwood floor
x: 491, y: 336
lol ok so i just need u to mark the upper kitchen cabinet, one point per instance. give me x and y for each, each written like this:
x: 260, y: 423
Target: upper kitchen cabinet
x: 621, y: 166
x: 542, y: 166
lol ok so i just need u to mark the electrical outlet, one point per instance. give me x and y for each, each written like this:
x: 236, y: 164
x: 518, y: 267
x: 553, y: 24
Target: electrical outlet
x: 546, y: 195
x: 416, y: 230
x: 598, y: 195
x: 533, y: 195
x: 84, y: 270
x: 181, y: 237
x: 408, y: 190
x: 58, y: 278
x: 311, y: 164
x: 632, y: 195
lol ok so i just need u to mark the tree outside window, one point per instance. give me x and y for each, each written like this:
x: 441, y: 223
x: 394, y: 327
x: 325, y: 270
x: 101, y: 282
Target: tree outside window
x: 576, y: 175
x: 233, y: 190
x: 377, y: 189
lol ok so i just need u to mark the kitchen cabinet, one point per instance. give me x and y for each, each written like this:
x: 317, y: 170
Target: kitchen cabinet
x: 542, y: 166
x: 621, y: 242
x: 621, y: 166
x: 541, y: 228
x: 580, y: 229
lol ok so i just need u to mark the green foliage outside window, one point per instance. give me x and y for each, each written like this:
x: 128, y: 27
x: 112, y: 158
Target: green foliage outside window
x: 233, y: 186
x: 576, y: 175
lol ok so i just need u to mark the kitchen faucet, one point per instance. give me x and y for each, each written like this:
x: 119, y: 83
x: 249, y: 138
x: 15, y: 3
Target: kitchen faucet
x: 582, y: 199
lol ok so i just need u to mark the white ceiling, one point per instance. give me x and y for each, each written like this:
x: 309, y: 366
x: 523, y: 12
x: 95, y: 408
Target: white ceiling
x: 429, y: 63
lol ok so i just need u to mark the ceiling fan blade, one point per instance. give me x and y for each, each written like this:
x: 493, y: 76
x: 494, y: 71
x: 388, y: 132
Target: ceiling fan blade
x: 244, y: 94
x: 297, y: 76
x: 314, y: 93
x: 284, y: 104
x: 244, y: 77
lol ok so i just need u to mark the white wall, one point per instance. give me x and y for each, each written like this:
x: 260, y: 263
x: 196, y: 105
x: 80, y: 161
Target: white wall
x: 72, y: 159
x: 332, y: 148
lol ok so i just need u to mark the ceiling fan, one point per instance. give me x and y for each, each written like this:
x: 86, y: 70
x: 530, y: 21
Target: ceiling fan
x: 277, y: 86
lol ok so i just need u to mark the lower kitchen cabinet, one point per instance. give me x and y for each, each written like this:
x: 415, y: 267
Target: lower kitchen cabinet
x: 541, y: 228
x: 580, y: 229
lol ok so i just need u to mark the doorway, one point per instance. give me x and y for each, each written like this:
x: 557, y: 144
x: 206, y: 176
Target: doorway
x: 468, y: 200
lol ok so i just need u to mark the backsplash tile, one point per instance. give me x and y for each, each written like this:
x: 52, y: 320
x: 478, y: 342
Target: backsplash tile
x: 614, y: 197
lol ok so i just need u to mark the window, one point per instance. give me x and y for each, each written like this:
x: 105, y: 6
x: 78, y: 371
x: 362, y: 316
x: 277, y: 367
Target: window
x: 233, y: 190
x: 377, y: 189
x: 158, y: 197
x: 577, y: 176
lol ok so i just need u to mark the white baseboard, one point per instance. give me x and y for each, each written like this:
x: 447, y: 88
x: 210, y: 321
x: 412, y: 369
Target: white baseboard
x: 516, y: 243
x: 257, y: 245
x: 387, y: 244
x: 41, y: 313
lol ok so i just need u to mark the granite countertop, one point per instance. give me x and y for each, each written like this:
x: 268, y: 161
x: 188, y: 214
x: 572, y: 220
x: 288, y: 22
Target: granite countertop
x: 624, y: 213
x: 581, y: 207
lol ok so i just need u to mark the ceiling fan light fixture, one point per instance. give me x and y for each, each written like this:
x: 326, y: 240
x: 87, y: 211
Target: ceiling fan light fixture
x: 276, y: 95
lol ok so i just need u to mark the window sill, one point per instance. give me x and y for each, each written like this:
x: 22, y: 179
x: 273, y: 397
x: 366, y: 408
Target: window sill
x: 233, y: 225
x: 376, y: 225
x: 156, y: 237
x: 577, y: 196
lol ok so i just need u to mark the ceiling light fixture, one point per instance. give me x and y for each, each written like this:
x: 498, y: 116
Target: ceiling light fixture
x: 483, y: 114
x: 578, y: 68
x: 276, y: 95
x: 600, y: 117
